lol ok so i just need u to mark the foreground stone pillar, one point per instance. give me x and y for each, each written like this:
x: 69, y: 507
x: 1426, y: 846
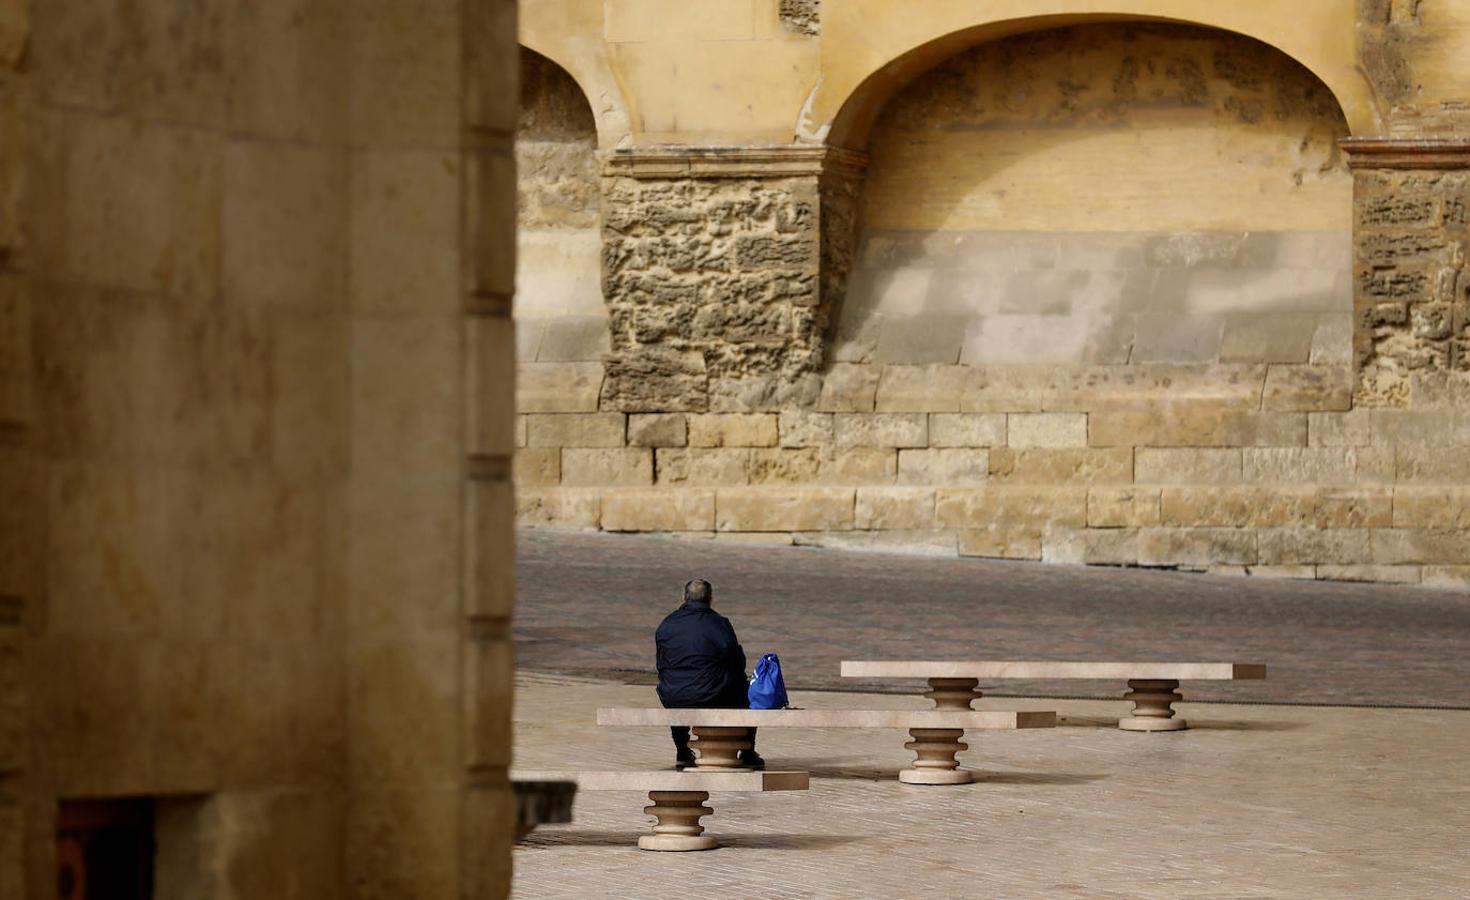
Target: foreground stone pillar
x: 722, y: 269
x: 1411, y: 295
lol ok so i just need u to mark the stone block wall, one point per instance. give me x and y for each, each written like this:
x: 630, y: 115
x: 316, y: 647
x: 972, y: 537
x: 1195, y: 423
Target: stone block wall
x: 1101, y: 297
x: 1242, y: 469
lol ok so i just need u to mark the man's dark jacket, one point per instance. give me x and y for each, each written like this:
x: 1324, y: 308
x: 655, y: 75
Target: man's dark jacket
x: 700, y: 662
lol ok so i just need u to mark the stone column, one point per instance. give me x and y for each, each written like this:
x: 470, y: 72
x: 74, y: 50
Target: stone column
x: 1411, y: 296
x: 722, y: 270
x: 18, y: 536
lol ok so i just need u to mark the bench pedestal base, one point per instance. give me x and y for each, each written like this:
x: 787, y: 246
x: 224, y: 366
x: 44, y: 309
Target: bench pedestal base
x: 953, y: 693
x: 678, y: 829
x: 936, y: 749
x: 1153, y: 706
x: 719, y: 748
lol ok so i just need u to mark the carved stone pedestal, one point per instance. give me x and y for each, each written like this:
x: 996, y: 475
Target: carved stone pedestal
x: 936, y: 749
x: 719, y: 748
x: 678, y: 829
x: 953, y: 693
x: 1153, y: 708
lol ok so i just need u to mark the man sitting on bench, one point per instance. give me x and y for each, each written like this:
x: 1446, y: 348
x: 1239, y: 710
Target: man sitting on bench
x: 701, y: 666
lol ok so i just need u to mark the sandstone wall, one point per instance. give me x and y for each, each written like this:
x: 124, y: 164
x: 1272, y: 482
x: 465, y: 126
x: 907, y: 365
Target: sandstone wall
x: 1107, y: 303
x: 559, y: 307
x: 254, y: 276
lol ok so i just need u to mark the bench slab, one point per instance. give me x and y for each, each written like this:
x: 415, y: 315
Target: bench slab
x: 687, y: 780
x: 1159, y: 671
x: 677, y: 798
x: 953, y: 684
x: 829, y: 718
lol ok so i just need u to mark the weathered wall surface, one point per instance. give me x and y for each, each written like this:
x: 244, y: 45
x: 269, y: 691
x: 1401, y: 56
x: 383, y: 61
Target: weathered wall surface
x: 1105, y: 194
x: 1115, y: 298
x: 560, y: 311
x: 235, y: 306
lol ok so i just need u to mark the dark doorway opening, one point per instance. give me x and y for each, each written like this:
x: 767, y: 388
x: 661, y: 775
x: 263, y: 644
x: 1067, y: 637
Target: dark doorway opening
x: 105, y: 849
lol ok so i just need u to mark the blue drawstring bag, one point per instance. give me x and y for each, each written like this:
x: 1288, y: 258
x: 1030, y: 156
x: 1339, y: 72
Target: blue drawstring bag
x: 768, y: 688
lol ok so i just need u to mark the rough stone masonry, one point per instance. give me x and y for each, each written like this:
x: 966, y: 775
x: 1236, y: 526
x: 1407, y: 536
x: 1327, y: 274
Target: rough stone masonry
x: 1122, y: 294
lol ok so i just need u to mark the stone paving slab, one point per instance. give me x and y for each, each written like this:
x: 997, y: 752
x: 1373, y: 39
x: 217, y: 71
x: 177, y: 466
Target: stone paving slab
x: 1254, y: 802
x: 590, y: 602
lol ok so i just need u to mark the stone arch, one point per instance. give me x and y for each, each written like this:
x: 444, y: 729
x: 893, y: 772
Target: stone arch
x: 592, y: 75
x: 843, y: 108
x: 560, y: 313
x: 1105, y: 193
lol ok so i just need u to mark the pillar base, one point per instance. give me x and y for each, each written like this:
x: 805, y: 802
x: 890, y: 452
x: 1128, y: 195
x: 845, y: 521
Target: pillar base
x: 936, y: 749
x: 1153, y: 706
x: 678, y: 829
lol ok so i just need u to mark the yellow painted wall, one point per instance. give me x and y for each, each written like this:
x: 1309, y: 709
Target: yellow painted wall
x: 1111, y: 128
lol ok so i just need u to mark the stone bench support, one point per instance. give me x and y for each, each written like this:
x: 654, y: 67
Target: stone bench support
x: 1153, y: 687
x: 935, y: 734
x: 677, y: 799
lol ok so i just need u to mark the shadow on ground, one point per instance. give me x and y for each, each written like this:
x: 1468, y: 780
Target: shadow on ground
x: 543, y: 840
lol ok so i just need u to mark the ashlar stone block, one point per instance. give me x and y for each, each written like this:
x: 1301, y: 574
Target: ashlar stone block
x: 849, y: 387
x: 1190, y: 424
x: 1025, y: 430
x: 967, y: 430
x: 881, y: 430
x: 920, y: 389
x: 1066, y: 465
x: 1122, y: 507
x: 894, y: 508
x: 1196, y: 547
x: 951, y: 466
x: 559, y: 507
x: 538, y: 465
x: 1237, y: 507
x: 1352, y: 428
x: 657, y: 430
x: 1432, y: 507
x: 558, y: 387
x: 658, y: 509
x: 1187, y: 465
x: 575, y: 430
x: 800, y: 428
x: 607, y: 466
x: 732, y: 430
x: 979, y: 508
x: 1362, y: 507
x: 712, y: 466
x: 1308, y: 388
x: 784, y: 509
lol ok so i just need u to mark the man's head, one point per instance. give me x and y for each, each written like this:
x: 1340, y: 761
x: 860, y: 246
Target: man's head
x: 698, y: 591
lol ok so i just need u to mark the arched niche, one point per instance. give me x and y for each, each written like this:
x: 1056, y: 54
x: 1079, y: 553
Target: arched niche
x: 1104, y: 194
x: 560, y: 313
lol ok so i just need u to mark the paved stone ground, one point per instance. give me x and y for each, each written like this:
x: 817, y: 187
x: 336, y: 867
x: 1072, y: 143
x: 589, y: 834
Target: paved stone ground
x: 589, y: 603
x: 1254, y: 801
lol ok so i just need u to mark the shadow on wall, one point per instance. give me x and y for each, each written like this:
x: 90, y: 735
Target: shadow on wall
x: 1105, y: 194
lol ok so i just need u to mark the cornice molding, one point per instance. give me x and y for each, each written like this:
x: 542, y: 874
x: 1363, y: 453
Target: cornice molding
x: 1407, y: 153
x: 732, y: 162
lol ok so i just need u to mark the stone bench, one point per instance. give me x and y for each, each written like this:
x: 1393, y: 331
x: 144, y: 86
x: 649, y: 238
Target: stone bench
x: 1153, y: 686
x: 677, y: 797
x: 720, y: 734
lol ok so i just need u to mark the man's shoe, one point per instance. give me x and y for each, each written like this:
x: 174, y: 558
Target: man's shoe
x: 751, y: 759
x: 684, y: 761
